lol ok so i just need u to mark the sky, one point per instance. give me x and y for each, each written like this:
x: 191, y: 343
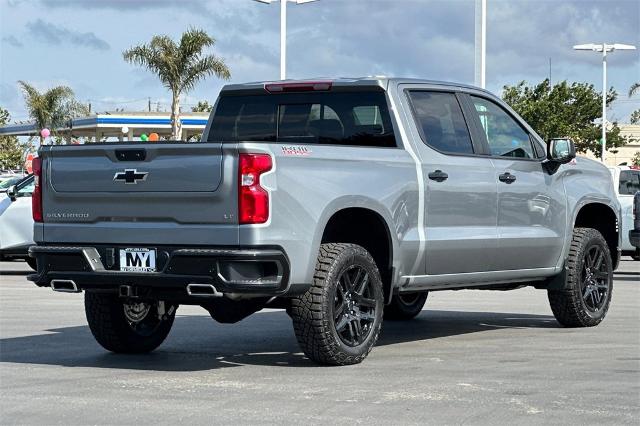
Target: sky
x: 79, y: 43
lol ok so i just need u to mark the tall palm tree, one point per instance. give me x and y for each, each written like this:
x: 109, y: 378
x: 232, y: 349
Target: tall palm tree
x: 52, y: 108
x: 635, y: 88
x: 179, y: 66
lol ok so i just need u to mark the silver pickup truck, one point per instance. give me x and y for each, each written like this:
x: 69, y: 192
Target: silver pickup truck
x: 342, y: 201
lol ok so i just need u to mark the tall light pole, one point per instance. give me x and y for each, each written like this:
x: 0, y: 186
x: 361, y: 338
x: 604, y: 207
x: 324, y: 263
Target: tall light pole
x: 283, y: 31
x: 481, y: 43
x: 604, y: 48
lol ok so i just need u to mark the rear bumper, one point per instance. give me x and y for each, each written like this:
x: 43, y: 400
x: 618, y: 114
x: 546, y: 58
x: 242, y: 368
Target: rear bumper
x: 255, y: 271
x: 634, y: 237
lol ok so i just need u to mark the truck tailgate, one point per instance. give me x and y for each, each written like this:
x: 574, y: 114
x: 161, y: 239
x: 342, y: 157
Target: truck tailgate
x: 162, y: 193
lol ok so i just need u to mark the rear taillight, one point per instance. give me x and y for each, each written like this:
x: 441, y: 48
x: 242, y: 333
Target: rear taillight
x: 36, y: 197
x: 253, y: 200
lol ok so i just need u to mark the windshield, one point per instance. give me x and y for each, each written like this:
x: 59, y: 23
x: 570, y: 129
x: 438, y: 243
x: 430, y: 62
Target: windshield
x: 4, y: 185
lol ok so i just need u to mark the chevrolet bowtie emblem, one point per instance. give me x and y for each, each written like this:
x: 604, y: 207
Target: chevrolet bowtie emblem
x: 130, y: 176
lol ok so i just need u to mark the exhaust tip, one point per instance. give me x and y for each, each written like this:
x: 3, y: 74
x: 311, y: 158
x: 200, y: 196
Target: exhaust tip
x: 202, y: 290
x: 65, y: 286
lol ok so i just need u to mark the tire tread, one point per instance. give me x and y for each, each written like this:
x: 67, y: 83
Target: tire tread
x: 313, y: 331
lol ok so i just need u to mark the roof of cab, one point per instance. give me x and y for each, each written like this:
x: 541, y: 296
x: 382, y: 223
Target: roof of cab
x: 382, y: 82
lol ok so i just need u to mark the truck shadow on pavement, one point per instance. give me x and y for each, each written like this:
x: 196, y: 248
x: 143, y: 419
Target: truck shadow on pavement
x: 198, y: 343
x: 17, y: 272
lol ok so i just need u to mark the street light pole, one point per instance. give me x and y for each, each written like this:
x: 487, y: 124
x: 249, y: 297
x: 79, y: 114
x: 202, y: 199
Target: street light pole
x: 283, y: 39
x: 481, y: 43
x: 283, y: 31
x: 604, y: 104
x: 604, y: 48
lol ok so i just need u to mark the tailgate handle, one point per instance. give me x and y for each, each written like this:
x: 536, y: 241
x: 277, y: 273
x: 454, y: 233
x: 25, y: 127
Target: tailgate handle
x: 131, y: 154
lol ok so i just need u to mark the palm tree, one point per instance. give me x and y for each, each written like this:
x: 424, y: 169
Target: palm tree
x: 178, y: 66
x: 635, y: 88
x: 52, y: 108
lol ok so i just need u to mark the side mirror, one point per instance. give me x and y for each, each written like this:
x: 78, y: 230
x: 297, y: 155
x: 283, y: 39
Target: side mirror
x: 11, y: 192
x: 561, y: 150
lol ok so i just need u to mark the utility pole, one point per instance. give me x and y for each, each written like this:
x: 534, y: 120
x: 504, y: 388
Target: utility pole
x: 481, y: 43
x: 149, y: 104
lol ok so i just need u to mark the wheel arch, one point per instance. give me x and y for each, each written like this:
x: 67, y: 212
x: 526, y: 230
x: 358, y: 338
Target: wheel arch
x: 367, y: 227
x: 603, y: 218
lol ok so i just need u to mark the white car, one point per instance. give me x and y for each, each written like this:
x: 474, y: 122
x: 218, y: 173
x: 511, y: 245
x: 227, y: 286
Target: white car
x: 626, y: 181
x: 16, y: 221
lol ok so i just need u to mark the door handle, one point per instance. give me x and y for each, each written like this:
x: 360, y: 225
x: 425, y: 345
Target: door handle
x: 507, y: 178
x: 438, y: 176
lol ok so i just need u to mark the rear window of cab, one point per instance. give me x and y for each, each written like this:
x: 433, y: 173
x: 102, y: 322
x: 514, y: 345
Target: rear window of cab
x: 334, y: 118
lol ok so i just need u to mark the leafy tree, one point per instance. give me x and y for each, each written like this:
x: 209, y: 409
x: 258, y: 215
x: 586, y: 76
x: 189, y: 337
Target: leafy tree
x: 565, y: 110
x: 179, y: 66
x: 636, y: 159
x: 635, y: 88
x: 10, y: 148
x: 51, y: 109
x: 202, y: 106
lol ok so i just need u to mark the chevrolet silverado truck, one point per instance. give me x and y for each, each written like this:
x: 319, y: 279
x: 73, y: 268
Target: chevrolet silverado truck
x: 342, y: 201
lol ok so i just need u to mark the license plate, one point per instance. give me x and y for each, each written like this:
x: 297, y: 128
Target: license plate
x: 137, y: 260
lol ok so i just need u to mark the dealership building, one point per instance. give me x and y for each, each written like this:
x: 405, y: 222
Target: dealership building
x: 110, y: 125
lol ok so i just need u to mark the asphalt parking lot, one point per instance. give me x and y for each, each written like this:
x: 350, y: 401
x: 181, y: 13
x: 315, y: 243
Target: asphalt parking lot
x: 470, y: 357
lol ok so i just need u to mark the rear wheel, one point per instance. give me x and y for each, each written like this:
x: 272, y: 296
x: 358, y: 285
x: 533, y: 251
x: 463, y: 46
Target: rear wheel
x: 337, y: 321
x: 589, y: 282
x: 405, y: 306
x: 636, y: 254
x: 127, y: 327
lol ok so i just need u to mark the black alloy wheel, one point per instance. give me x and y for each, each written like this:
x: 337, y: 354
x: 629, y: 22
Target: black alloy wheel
x: 355, y: 306
x: 594, y: 280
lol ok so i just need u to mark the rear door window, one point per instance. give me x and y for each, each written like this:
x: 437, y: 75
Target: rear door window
x: 441, y: 121
x: 338, y: 118
x: 629, y: 182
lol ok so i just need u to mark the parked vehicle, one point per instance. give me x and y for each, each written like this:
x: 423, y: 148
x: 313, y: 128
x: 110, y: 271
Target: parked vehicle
x: 5, y: 184
x: 626, y: 181
x: 16, y: 221
x: 336, y: 200
x: 10, y: 174
x: 634, y: 234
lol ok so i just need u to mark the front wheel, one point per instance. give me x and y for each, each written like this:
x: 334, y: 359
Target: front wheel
x: 585, y: 300
x: 338, y: 320
x: 127, y: 327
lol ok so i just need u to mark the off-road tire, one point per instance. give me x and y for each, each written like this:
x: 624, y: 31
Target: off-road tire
x: 405, y: 307
x: 313, y: 312
x: 568, y: 305
x: 110, y: 327
x: 33, y: 264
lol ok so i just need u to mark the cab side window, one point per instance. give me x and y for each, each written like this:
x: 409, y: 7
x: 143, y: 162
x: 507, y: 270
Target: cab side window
x: 441, y: 122
x: 505, y: 136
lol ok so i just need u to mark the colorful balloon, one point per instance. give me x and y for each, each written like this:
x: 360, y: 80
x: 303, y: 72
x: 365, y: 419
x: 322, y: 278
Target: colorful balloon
x: 45, y: 133
x: 154, y: 137
x: 144, y: 137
